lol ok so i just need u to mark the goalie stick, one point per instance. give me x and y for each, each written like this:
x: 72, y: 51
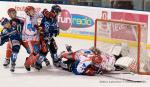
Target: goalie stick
x: 124, y: 79
x: 114, y: 74
x: 120, y: 73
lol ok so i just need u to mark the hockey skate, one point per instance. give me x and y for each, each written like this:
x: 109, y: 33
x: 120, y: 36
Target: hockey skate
x: 47, y: 62
x: 27, y: 67
x: 56, y: 62
x: 68, y: 48
x: 6, y: 62
x: 12, y: 68
x: 38, y: 66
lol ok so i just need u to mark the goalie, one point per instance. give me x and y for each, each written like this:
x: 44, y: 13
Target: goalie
x: 92, y: 61
x: 86, y: 61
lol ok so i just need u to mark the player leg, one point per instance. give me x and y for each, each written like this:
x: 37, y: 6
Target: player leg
x: 66, y: 60
x: 44, y: 51
x: 4, y: 39
x: 42, y: 57
x: 53, y: 50
x: 8, y: 54
x: 33, y: 50
x: 15, y: 51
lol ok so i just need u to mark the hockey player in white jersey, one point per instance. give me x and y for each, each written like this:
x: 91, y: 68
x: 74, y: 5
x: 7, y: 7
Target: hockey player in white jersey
x: 31, y: 37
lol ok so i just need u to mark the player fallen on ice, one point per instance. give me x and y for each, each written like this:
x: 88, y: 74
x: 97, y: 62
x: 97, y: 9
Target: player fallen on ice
x: 31, y: 39
x: 15, y: 22
x: 50, y: 30
x: 13, y: 35
x: 86, y: 61
x: 92, y: 61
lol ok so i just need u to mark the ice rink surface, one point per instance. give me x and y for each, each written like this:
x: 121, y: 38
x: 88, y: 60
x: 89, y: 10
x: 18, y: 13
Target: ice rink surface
x: 52, y: 77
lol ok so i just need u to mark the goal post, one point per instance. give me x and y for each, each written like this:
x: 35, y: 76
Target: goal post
x: 131, y: 36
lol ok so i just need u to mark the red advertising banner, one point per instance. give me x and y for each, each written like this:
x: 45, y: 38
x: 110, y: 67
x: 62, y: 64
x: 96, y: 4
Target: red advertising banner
x: 126, y: 33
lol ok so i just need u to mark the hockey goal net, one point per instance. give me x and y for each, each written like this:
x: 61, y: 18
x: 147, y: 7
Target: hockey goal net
x: 126, y: 39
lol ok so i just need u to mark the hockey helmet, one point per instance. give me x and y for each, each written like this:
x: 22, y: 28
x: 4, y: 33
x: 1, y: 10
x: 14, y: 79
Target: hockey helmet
x: 56, y: 8
x: 11, y: 10
x: 28, y: 8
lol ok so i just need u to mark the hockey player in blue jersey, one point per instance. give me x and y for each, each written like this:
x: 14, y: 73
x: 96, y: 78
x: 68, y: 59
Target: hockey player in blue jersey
x: 17, y: 22
x: 50, y: 30
x: 14, y: 37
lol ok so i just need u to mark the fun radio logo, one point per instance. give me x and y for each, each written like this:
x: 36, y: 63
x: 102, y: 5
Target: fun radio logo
x: 67, y: 20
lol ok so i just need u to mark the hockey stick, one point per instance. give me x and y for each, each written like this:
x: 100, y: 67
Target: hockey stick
x: 125, y: 79
x: 120, y: 73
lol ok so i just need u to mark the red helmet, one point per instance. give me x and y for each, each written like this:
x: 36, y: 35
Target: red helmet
x: 11, y: 10
x: 97, y: 59
x: 28, y: 8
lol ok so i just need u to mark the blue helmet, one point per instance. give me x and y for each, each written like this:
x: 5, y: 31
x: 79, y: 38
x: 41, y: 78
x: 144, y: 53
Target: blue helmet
x: 56, y: 8
x: 4, y: 21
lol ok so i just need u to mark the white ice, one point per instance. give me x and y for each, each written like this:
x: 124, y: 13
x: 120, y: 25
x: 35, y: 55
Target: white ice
x: 52, y: 77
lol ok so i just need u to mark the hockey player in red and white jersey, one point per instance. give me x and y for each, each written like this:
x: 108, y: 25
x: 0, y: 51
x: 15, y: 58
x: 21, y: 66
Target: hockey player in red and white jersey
x: 31, y: 39
x: 86, y: 61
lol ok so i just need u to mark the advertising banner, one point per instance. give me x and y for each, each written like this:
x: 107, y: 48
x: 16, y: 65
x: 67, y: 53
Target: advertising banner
x: 78, y: 21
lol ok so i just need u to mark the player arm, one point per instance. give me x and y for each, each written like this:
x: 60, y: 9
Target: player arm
x: 3, y: 37
x: 82, y: 67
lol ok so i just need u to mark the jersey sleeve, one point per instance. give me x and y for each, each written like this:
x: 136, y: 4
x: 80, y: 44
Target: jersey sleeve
x: 3, y: 38
x: 4, y: 32
x: 82, y: 66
